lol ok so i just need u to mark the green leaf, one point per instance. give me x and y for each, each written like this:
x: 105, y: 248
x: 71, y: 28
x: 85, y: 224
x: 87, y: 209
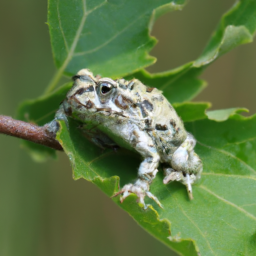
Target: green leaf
x: 237, y: 27
x: 109, y: 37
x: 223, y: 213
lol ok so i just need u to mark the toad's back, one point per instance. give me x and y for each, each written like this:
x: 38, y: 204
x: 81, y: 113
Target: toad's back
x: 161, y: 120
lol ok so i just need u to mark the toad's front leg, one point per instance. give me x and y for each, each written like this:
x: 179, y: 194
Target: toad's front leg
x: 147, y: 170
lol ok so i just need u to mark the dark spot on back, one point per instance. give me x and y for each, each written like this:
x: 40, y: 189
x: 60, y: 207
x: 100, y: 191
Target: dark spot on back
x: 157, y: 97
x: 119, y: 121
x: 148, y: 124
x: 126, y: 100
x: 135, y: 138
x: 176, y: 143
x: 147, y: 105
x: 68, y: 111
x: 123, y: 102
x: 148, y: 121
x: 172, y: 123
x: 161, y: 127
x: 89, y: 104
x: 143, y: 111
x: 150, y: 89
x: 131, y: 85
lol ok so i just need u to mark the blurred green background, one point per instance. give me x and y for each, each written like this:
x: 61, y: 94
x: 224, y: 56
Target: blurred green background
x: 42, y: 210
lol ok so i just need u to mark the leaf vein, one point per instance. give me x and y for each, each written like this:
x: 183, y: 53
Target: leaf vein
x: 228, y: 154
x: 61, y: 29
x: 228, y: 175
x: 228, y: 202
x: 96, y: 7
x: 195, y: 225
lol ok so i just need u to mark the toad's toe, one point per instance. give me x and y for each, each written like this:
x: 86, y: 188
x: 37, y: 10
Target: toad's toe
x: 139, y: 191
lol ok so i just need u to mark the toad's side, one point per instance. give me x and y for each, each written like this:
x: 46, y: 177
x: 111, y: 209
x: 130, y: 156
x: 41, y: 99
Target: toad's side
x: 131, y: 115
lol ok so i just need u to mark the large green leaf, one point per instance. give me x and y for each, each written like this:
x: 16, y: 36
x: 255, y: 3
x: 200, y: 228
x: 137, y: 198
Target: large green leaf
x: 221, y: 218
x: 109, y: 37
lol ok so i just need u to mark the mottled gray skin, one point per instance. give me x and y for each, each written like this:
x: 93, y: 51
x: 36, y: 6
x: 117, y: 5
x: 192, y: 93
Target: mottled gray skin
x: 131, y: 115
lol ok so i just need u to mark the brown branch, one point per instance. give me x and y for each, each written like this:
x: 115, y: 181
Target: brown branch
x: 27, y: 131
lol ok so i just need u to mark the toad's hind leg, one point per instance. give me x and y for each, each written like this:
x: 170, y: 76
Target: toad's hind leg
x: 186, y: 165
x: 147, y: 170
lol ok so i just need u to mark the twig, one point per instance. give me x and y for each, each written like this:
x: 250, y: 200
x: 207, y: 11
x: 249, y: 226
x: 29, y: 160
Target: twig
x: 27, y: 131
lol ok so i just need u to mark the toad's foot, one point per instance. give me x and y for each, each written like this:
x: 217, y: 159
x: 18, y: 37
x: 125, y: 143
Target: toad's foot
x: 187, y: 179
x: 140, y: 188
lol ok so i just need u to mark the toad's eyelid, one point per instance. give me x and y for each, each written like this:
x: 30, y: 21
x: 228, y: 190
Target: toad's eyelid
x: 109, y: 81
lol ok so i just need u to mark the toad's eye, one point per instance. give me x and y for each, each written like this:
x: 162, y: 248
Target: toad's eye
x: 105, y: 88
